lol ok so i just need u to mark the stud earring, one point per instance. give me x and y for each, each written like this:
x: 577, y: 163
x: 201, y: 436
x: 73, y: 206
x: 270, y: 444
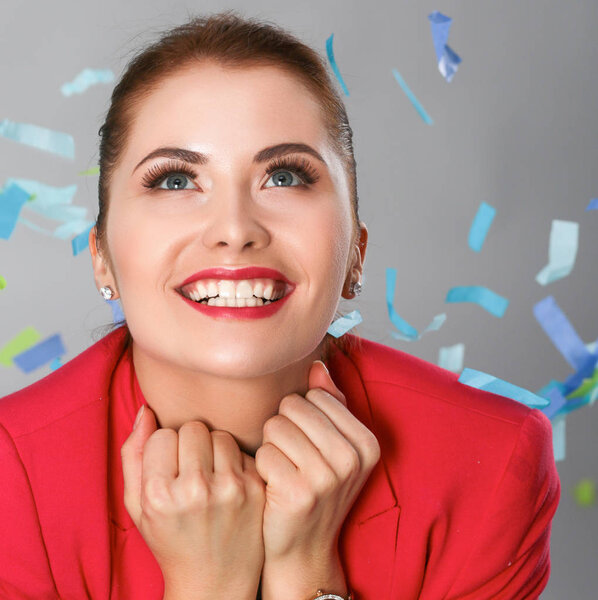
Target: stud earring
x: 355, y: 288
x: 107, y: 292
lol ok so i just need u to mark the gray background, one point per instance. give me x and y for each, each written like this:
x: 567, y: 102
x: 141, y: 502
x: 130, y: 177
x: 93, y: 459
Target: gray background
x: 516, y: 128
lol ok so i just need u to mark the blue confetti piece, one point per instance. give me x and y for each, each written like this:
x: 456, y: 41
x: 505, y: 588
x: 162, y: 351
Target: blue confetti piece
x: 56, y: 364
x: 40, y: 354
x: 557, y: 402
x: 117, y: 312
x: 559, y: 438
x: 11, y: 202
x: 451, y: 357
x: 558, y: 328
x: 593, y: 205
x: 39, y: 137
x: 407, y: 333
x: 85, y: 79
x: 81, y: 241
x: 345, y: 323
x: 480, y: 226
x: 335, y: 68
x: 416, y: 103
x: 496, y: 305
x: 448, y: 60
x: 489, y: 383
x: 587, y: 370
x: 564, y: 236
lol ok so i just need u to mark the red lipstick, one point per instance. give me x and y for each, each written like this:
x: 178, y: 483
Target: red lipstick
x: 242, y: 273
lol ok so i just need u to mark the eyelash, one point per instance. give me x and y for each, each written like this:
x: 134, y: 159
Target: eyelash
x: 156, y: 174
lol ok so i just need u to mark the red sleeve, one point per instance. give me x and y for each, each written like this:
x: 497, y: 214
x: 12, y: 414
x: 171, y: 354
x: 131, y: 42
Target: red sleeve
x: 510, y: 556
x: 24, y: 568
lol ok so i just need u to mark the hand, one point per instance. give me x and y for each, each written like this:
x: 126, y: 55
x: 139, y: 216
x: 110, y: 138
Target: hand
x: 315, y: 458
x: 198, y: 502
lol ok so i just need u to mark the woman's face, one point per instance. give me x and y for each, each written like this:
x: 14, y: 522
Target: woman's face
x: 228, y: 212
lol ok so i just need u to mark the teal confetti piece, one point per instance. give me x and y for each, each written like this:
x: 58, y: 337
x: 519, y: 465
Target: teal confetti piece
x: 593, y: 205
x: 406, y: 332
x: 559, y: 438
x: 416, y: 103
x: 40, y: 354
x: 343, y: 324
x: 80, y: 242
x: 489, y: 383
x: 12, y: 200
x: 335, y: 68
x: 480, y: 226
x: 56, y: 364
x: 562, y: 251
x: 39, y: 137
x: 451, y: 357
x: 496, y: 305
x: 85, y: 79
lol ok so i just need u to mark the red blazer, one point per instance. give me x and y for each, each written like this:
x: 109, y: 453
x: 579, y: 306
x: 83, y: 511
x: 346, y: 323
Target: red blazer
x: 459, y: 506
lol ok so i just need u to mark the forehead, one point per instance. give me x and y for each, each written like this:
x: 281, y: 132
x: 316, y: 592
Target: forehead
x: 209, y: 108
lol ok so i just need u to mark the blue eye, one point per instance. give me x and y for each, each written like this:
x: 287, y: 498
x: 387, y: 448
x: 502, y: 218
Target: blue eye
x: 176, y: 181
x: 283, y: 179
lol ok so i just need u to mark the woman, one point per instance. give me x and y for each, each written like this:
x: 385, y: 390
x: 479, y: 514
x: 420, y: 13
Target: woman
x: 221, y: 443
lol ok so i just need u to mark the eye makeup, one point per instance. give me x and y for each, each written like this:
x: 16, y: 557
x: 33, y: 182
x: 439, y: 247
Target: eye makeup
x: 300, y: 166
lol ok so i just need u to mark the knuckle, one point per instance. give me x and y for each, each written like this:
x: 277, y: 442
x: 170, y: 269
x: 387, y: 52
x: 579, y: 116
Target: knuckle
x: 372, y: 450
x: 192, y: 426
x: 290, y: 402
x: 274, y: 424
x: 155, y: 495
x: 352, y: 464
x: 326, y: 481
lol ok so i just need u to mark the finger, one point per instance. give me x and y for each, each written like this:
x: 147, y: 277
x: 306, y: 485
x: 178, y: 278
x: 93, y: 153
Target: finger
x: 319, y: 377
x: 132, y: 461
x: 195, y: 448
x: 329, y: 443
x: 274, y: 467
x: 160, y: 466
x: 227, y: 454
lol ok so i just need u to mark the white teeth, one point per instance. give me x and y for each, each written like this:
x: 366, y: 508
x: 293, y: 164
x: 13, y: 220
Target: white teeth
x: 226, y: 289
x: 258, y: 289
x: 268, y: 291
x: 212, y: 302
x: 201, y: 291
x: 251, y: 301
x: 244, y: 289
x: 212, y: 289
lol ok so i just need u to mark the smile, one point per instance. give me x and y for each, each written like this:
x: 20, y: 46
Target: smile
x: 235, y: 293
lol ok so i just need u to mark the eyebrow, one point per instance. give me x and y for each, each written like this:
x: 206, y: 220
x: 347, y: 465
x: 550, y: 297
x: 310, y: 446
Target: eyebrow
x: 199, y: 158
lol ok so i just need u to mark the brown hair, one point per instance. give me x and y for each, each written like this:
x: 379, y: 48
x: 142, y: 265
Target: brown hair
x: 230, y: 41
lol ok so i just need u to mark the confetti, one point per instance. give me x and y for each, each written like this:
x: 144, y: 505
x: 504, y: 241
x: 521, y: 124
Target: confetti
x: 335, y: 68
x: 25, y: 339
x: 85, y: 80
x: 2, y: 282
x: 480, y: 226
x: 559, y: 438
x: 593, y: 205
x: 81, y: 241
x: 39, y: 137
x: 92, y: 171
x: 585, y: 492
x: 448, y: 59
x: 117, y: 313
x: 12, y: 200
x: 343, y: 324
x: 416, y: 103
x: 40, y: 354
x: 496, y: 305
x: 564, y: 236
x: 451, y: 357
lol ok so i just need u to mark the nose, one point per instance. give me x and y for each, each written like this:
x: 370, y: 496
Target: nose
x: 235, y: 222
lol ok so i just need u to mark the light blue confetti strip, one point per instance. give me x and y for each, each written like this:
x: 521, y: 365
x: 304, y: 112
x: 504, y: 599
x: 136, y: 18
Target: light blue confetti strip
x: 12, y: 200
x: 56, y: 364
x: 558, y: 328
x: 86, y: 79
x: 335, y: 68
x: 448, y: 60
x: 480, y: 226
x: 80, y: 242
x: 416, y: 103
x: 39, y: 137
x: 40, y: 354
x: 489, y: 383
x: 559, y: 439
x: 33, y: 226
x: 451, y: 357
x: 557, y: 402
x: 343, y: 324
x: 496, y: 305
x: 435, y: 324
x: 46, y: 195
x: 402, y: 325
x: 60, y: 212
x: 70, y: 228
x: 564, y: 236
x: 117, y: 312
x: 593, y: 205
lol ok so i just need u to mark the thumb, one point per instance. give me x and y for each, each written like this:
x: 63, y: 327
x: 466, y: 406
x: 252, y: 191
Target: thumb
x: 132, y: 460
x: 319, y: 377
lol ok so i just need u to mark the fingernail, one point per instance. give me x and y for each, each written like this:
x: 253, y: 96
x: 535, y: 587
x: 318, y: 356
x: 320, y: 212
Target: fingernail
x: 138, y: 417
x: 325, y: 367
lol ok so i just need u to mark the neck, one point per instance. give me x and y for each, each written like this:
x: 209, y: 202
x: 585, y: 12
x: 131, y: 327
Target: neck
x: 239, y: 406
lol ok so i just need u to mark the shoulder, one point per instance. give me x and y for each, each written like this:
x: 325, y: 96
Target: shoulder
x: 79, y: 382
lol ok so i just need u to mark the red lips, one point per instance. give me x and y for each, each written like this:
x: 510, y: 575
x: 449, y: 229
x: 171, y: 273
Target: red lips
x: 242, y: 273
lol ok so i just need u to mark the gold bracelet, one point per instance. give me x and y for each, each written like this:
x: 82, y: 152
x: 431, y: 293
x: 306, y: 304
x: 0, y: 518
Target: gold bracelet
x: 320, y: 595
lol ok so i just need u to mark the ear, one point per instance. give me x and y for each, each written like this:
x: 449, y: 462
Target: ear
x: 356, y: 261
x: 102, y: 272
